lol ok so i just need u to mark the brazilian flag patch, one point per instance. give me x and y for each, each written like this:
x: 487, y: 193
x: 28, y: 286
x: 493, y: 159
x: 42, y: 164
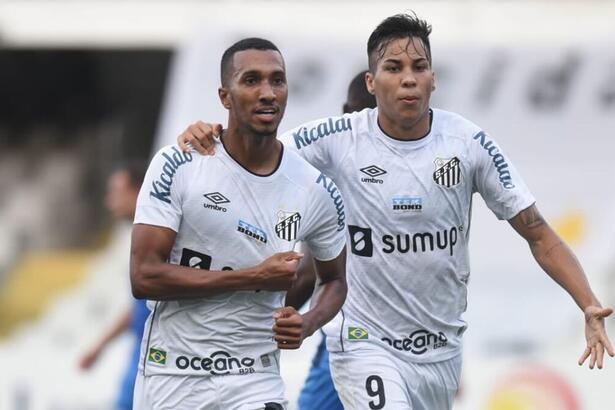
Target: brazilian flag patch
x: 357, y: 333
x: 157, y: 356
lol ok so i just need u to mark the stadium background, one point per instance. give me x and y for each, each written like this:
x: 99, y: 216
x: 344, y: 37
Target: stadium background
x: 87, y: 84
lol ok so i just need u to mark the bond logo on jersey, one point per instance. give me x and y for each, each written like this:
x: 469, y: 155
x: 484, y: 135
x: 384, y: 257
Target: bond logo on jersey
x: 448, y: 172
x: 195, y: 259
x: 306, y: 136
x: 357, y: 333
x: 407, y: 204
x: 361, y: 241
x: 372, y: 172
x: 330, y: 187
x: 418, y: 342
x: 288, y: 225
x: 161, y: 188
x: 218, y: 364
x: 252, y: 231
x: 157, y: 356
x: 216, y: 199
x: 499, y: 162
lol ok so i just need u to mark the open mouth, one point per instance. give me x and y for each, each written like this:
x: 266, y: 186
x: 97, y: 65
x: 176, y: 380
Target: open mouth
x: 266, y: 114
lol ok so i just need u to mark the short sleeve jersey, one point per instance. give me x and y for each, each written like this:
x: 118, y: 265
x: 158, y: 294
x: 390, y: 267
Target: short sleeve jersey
x: 228, y: 218
x: 408, y: 211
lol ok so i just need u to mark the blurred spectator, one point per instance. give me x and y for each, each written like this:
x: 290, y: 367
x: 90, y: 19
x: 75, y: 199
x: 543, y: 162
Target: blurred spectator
x: 122, y: 191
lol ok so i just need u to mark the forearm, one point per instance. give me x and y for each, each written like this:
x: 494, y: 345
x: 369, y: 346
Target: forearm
x: 329, y: 302
x: 165, y: 281
x: 560, y: 263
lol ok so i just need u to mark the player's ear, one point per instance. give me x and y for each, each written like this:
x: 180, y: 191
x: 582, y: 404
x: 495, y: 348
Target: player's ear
x: 224, y: 97
x: 369, y: 82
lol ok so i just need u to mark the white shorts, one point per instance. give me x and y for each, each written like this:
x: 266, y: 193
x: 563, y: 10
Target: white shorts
x: 370, y: 377
x: 255, y: 391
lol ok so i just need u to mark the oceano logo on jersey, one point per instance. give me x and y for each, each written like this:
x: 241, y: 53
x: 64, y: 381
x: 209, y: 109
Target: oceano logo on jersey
x: 330, y: 187
x: 157, y: 356
x: 499, y: 162
x: 218, y: 363
x: 372, y: 172
x: 161, y: 188
x: 252, y: 231
x: 407, y: 204
x: 448, y: 172
x: 304, y: 136
x: 216, y: 198
x: 357, y: 333
x: 418, y: 342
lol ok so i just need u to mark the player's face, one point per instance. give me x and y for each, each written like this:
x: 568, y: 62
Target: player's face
x: 402, y: 83
x: 257, y: 91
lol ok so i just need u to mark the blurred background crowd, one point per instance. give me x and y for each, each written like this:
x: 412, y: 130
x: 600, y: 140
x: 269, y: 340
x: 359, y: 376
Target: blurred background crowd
x: 91, y: 89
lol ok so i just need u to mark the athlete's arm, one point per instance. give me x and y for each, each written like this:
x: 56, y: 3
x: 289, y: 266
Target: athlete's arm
x: 119, y: 327
x: 292, y: 328
x: 303, y: 287
x: 155, y: 279
x: 558, y: 261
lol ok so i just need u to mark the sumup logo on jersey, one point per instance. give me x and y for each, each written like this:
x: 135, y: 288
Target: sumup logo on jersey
x: 288, y: 225
x: 407, y: 204
x: 448, y: 172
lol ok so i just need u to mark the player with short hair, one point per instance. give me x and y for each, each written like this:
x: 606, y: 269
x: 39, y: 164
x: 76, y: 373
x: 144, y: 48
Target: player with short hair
x: 212, y: 250
x: 409, y: 172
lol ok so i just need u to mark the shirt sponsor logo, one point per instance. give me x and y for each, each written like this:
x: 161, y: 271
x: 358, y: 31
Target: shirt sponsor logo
x: 194, y: 259
x: 407, y: 204
x: 161, y: 188
x: 252, y: 231
x: 218, y: 363
x: 418, y: 342
x: 448, y: 172
x: 157, y: 356
x: 361, y: 242
x: 306, y: 136
x: 288, y: 225
x: 372, y: 172
x: 216, y: 199
x: 499, y: 161
x: 357, y: 333
x: 330, y: 187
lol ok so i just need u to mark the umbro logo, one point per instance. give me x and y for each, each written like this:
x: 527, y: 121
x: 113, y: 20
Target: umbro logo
x: 372, y: 172
x: 216, y: 198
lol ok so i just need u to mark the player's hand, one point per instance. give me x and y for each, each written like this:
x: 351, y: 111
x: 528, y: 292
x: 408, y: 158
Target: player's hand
x: 279, y: 271
x: 289, y: 328
x: 199, y: 136
x: 88, y: 360
x: 595, y: 334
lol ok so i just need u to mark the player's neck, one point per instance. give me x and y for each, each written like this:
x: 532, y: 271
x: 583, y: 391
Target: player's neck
x: 405, y: 131
x: 259, y: 154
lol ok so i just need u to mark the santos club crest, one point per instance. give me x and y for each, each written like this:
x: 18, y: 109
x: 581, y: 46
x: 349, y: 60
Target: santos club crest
x: 448, y: 172
x: 288, y: 225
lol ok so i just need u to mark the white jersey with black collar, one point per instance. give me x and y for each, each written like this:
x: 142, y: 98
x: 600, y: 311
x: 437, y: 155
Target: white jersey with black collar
x: 228, y: 218
x: 408, y: 211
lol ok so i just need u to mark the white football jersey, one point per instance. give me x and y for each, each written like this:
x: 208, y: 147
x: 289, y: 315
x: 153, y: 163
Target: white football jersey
x: 228, y: 218
x: 408, y: 211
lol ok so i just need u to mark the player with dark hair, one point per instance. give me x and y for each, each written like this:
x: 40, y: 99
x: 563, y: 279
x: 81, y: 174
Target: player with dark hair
x: 409, y: 172
x: 212, y: 249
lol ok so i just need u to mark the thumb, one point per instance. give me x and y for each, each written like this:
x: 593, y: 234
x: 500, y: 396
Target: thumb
x: 283, y: 312
x: 291, y: 255
x: 606, y: 312
x: 217, y: 129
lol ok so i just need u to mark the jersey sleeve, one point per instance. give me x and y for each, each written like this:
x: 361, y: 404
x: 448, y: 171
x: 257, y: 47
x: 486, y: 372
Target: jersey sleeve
x: 160, y: 199
x: 496, y: 178
x: 323, y: 143
x: 326, y: 233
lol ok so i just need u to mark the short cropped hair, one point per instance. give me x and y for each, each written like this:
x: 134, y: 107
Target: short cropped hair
x: 252, y: 43
x: 358, y: 97
x: 394, y: 28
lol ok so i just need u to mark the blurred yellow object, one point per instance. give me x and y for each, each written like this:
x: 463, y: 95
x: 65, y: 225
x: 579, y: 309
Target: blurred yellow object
x: 35, y: 281
x: 572, y: 227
